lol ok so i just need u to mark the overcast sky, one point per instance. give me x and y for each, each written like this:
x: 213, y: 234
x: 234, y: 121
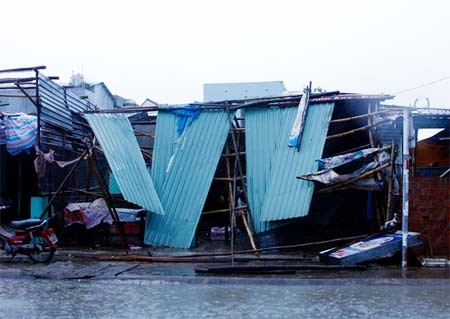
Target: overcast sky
x: 167, y: 50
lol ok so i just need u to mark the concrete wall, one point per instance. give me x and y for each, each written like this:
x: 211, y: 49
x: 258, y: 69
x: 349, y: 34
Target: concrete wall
x: 430, y: 197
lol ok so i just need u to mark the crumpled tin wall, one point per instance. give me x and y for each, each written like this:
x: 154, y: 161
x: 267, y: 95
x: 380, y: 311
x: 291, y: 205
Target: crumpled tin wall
x: 116, y: 137
x: 263, y: 128
x: 286, y: 196
x: 185, y: 187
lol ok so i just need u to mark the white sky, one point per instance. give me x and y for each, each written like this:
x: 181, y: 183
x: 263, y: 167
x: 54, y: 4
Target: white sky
x: 167, y: 50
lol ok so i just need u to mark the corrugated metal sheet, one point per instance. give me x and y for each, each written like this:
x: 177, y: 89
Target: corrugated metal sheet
x: 286, y: 196
x: 116, y: 137
x: 60, y: 110
x: 263, y: 128
x: 113, y: 186
x: 186, y: 185
x: 164, y: 145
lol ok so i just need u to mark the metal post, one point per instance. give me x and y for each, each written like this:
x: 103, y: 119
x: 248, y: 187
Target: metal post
x: 405, y: 202
x: 233, y: 212
x: 39, y: 108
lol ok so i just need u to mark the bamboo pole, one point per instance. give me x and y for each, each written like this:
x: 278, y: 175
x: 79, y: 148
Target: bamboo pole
x: 239, y: 166
x: 370, y: 124
x: 358, y: 116
x: 288, y: 247
x: 230, y: 190
x: 194, y: 257
x: 356, y: 130
x: 233, y: 154
x: 225, y: 210
x: 226, y: 179
x: 108, y: 200
x: 61, y: 186
x: 212, y: 259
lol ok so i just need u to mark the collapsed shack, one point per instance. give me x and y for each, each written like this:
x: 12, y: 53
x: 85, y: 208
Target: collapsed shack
x: 202, y: 171
x: 214, y: 170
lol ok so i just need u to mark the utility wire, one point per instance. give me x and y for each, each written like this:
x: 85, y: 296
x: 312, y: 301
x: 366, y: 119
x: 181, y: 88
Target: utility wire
x: 421, y: 86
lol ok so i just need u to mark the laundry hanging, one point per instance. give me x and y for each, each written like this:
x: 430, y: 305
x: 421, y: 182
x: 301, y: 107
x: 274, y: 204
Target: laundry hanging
x: 18, y: 131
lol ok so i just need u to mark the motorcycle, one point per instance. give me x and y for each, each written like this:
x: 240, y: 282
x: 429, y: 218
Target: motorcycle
x: 29, y: 238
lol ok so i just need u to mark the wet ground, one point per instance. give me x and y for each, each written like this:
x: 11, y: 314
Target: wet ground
x: 21, y: 298
x: 174, y: 290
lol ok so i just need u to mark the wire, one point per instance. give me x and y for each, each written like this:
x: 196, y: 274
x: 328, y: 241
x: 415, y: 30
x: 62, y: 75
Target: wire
x: 422, y: 85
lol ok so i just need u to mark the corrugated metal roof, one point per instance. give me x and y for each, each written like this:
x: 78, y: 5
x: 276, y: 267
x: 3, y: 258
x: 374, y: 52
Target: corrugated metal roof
x: 288, y: 197
x: 188, y: 181
x: 116, y: 137
x: 263, y: 128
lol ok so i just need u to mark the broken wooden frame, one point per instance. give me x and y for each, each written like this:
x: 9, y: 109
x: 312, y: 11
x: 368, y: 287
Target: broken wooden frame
x: 88, y: 155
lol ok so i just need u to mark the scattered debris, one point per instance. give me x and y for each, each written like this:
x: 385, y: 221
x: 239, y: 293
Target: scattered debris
x: 270, y: 268
x: 435, y: 262
x: 370, y: 248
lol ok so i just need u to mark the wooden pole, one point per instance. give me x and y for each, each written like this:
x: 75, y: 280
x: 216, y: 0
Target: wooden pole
x: 239, y: 166
x: 370, y: 124
x: 288, y: 247
x: 391, y: 184
x: 108, y: 200
x: 233, y: 213
x: 356, y: 130
x: 230, y: 189
x: 370, y: 114
x: 61, y: 186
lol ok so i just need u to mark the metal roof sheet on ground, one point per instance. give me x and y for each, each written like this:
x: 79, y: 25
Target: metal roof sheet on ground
x: 286, y: 196
x: 116, y: 137
x: 263, y: 128
x: 188, y: 181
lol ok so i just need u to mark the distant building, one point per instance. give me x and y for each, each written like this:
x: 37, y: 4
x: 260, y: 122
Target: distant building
x: 150, y: 103
x: 98, y: 94
x: 213, y: 92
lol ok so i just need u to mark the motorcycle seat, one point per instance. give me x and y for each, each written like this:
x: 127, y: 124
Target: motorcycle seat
x: 26, y: 223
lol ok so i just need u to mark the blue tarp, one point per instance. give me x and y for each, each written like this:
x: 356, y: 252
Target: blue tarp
x: 187, y: 114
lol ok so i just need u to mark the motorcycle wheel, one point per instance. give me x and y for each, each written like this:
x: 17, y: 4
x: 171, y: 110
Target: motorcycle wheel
x: 43, y: 252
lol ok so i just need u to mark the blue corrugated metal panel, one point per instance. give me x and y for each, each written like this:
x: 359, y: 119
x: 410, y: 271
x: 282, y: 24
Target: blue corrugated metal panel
x: 113, y: 186
x: 287, y: 196
x: 188, y: 181
x: 262, y: 134
x: 164, y: 145
x: 116, y: 137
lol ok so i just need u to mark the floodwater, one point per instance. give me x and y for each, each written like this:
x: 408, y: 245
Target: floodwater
x: 25, y: 298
